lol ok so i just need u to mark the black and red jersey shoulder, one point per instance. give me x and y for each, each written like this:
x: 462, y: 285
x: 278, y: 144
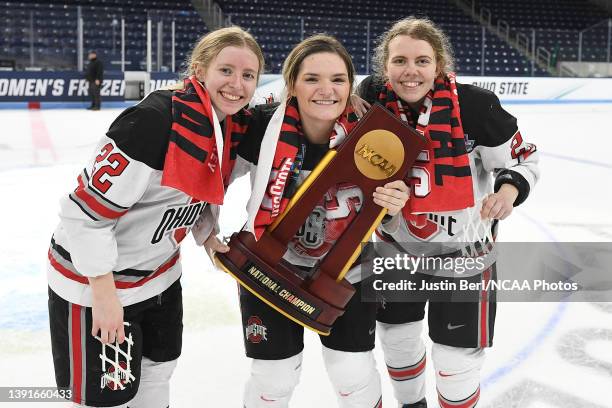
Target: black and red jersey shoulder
x: 482, y: 116
x: 142, y: 131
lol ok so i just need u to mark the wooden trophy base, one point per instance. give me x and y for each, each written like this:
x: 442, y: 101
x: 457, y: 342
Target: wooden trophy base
x: 313, y: 302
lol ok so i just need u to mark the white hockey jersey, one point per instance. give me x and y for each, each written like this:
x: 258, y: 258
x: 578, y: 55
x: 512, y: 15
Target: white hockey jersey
x: 120, y: 218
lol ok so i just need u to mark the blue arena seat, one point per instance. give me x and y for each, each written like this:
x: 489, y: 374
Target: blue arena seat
x: 277, y: 24
x: 55, y: 27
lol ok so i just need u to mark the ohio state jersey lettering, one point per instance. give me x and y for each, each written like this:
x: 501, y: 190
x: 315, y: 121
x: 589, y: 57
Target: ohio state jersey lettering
x: 178, y: 217
x: 432, y: 226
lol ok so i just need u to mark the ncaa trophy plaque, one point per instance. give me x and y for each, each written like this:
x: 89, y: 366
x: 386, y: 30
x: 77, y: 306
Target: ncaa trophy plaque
x: 379, y: 150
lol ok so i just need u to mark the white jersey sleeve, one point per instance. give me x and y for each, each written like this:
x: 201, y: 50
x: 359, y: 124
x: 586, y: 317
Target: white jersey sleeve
x: 514, y: 155
x: 106, y: 191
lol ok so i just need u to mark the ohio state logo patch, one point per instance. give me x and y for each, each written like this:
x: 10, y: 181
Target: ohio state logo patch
x: 255, y: 330
x: 111, y: 385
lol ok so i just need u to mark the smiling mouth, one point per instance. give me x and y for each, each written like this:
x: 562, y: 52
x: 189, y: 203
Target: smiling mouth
x: 411, y: 84
x: 230, y: 96
x: 324, y: 102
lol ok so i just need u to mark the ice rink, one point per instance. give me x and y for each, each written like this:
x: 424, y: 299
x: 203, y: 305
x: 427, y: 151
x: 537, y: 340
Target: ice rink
x: 545, y: 355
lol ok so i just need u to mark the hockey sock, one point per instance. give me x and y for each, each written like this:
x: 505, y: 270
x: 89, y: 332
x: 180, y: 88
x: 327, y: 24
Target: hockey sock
x: 272, y: 382
x: 457, y: 375
x: 154, y: 388
x: 354, y: 377
x: 404, y: 352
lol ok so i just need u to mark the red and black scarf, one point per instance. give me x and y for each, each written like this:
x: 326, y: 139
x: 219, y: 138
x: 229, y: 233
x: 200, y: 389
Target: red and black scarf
x: 445, y: 160
x: 287, y: 163
x: 192, y: 160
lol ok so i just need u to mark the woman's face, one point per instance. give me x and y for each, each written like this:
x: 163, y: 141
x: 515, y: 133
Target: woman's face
x: 322, y: 87
x: 231, y: 79
x: 411, y: 68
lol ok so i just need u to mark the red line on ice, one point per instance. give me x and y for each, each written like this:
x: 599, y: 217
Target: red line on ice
x: 41, y: 139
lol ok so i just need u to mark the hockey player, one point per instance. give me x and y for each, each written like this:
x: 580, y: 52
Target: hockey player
x: 313, y: 117
x: 471, y: 138
x: 160, y: 171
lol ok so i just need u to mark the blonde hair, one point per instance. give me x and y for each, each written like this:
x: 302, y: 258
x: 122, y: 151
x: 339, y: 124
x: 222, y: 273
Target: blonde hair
x: 211, y: 44
x: 419, y: 29
x: 314, y: 45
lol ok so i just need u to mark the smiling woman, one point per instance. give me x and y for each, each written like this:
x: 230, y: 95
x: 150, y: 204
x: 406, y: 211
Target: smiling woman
x: 411, y: 68
x: 229, y: 63
x: 321, y: 89
x: 114, y: 262
x: 472, y: 141
x: 284, y: 143
x: 230, y: 78
x: 319, y: 78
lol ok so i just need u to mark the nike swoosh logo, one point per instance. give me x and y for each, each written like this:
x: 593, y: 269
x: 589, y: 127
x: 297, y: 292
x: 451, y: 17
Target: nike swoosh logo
x: 441, y: 374
x: 451, y: 327
x: 265, y: 399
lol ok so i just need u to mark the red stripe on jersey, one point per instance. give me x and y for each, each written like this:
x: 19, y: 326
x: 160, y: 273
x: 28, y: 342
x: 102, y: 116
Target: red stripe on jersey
x: 414, y: 371
x: 180, y: 234
x: 379, y: 403
x: 484, y: 310
x: 77, y: 353
x: 65, y: 271
x: 470, y: 402
x: 94, y: 204
x: 119, y: 285
x: 159, y: 271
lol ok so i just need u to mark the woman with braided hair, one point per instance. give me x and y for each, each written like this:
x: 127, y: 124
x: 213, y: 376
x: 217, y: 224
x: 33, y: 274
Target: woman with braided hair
x: 476, y: 166
x: 159, y: 172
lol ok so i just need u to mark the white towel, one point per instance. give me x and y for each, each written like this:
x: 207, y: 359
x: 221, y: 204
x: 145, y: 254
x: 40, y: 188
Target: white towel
x: 264, y: 164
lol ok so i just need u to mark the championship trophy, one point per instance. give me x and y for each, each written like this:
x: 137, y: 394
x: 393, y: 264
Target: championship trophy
x: 379, y: 150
